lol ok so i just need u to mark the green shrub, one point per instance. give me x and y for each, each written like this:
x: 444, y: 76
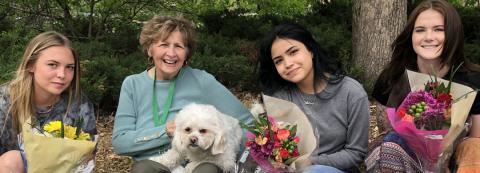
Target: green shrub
x: 215, y: 45
x: 12, y: 44
x: 102, y: 77
x: 232, y: 71
x: 472, y: 52
x: 103, y: 71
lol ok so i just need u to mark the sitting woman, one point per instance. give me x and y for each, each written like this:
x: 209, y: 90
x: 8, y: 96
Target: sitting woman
x: 293, y: 67
x: 430, y: 43
x: 46, y: 88
x: 150, y: 100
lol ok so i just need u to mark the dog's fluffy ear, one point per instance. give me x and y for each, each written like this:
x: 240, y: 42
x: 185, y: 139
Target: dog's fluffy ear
x: 177, y: 142
x: 218, y: 145
x: 219, y: 142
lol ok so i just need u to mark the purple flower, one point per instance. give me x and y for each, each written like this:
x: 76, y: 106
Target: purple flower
x: 432, y: 117
x: 415, y: 97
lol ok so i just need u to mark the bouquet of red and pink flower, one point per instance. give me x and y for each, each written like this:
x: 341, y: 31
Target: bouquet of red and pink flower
x: 429, y: 119
x: 273, y: 145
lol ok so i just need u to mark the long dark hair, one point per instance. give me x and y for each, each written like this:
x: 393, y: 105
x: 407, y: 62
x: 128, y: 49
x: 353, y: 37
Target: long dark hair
x: 404, y: 56
x: 269, y: 79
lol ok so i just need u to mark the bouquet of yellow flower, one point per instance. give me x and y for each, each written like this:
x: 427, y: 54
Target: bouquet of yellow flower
x: 57, y: 147
x: 54, y: 129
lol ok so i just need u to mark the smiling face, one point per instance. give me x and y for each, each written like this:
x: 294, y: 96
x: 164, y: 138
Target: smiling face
x: 292, y: 60
x: 53, y: 71
x: 168, y: 55
x: 428, y: 35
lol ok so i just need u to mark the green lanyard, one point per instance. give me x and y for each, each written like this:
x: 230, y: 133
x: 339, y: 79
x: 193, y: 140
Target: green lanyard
x: 168, y: 102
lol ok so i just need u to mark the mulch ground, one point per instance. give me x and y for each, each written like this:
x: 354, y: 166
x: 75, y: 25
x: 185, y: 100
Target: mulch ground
x: 107, y: 161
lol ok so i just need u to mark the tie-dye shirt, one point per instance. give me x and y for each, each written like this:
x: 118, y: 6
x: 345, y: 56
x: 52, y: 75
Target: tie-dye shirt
x: 84, y: 109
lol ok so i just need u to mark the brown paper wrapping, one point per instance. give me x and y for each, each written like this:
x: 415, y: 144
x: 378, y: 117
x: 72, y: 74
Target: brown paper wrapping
x: 49, y: 154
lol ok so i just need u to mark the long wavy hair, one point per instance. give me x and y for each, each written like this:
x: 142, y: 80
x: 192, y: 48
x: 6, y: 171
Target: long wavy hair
x: 404, y: 56
x: 269, y: 79
x: 21, y: 88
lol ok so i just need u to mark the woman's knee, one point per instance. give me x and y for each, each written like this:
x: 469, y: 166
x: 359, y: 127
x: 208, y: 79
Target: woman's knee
x: 468, y: 152
x: 149, y: 166
x: 207, y: 168
x: 11, y: 161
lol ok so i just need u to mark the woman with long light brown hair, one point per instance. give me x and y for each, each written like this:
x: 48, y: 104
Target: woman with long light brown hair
x: 46, y: 88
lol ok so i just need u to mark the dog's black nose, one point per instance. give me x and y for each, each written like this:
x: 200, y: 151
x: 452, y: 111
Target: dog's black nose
x: 193, y: 140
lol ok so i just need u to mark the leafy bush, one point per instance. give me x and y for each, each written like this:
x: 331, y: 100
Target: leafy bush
x: 103, y: 71
x: 232, y: 71
x: 13, y: 44
x: 472, y: 52
x: 215, y: 45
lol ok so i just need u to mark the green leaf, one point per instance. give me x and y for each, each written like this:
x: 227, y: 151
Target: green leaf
x: 289, y: 161
x: 78, y: 125
x: 293, y: 130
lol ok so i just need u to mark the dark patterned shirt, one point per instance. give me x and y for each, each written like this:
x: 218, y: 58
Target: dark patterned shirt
x: 83, y: 109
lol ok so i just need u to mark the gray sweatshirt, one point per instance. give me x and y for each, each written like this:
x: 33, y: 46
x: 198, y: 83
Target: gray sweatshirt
x: 340, y: 121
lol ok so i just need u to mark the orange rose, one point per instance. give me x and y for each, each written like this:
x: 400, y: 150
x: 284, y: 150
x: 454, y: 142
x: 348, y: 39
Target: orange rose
x: 283, y: 134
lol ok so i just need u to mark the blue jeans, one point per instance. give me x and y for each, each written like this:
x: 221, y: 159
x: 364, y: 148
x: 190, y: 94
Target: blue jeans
x: 322, y: 168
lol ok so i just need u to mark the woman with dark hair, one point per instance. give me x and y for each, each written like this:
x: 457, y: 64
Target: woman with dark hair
x: 293, y: 67
x: 431, y: 43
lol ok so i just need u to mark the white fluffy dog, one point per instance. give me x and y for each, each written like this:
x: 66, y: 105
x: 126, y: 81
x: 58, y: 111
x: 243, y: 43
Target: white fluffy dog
x: 203, y: 134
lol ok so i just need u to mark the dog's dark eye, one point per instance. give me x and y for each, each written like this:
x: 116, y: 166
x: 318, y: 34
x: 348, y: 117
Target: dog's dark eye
x: 203, y: 131
x: 187, y: 129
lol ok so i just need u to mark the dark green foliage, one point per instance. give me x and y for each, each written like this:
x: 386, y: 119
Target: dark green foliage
x: 231, y: 70
x: 228, y: 33
x: 472, y: 51
x: 103, y: 71
x: 12, y: 44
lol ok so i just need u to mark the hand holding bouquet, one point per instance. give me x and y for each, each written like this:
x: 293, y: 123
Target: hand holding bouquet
x: 274, y: 146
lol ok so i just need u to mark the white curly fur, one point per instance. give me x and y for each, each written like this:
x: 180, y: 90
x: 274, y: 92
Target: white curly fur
x: 203, y: 134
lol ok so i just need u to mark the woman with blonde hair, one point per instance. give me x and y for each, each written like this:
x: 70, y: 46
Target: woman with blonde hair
x: 46, y: 88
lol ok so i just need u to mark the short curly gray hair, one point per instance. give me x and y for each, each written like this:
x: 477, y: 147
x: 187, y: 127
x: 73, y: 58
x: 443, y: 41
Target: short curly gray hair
x: 160, y: 27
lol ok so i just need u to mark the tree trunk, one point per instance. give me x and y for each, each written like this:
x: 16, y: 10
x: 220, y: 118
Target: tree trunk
x: 376, y: 24
x: 90, y: 19
x: 68, y: 19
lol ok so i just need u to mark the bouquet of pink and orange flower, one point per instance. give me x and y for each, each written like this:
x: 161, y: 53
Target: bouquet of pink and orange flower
x: 430, y: 119
x: 274, y: 146
x: 281, y: 141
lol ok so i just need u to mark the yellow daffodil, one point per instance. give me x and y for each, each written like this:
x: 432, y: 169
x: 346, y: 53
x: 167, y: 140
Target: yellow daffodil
x: 69, y: 132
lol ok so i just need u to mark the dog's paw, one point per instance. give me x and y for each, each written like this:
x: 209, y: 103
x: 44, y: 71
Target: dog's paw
x: 171, y: 159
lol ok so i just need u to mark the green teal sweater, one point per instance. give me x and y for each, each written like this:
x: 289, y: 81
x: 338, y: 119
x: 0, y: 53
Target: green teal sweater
x: 134, y: 133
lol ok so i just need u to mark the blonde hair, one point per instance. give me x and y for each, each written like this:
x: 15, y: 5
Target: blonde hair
x: 21, y: 87
x: 160, y: 27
